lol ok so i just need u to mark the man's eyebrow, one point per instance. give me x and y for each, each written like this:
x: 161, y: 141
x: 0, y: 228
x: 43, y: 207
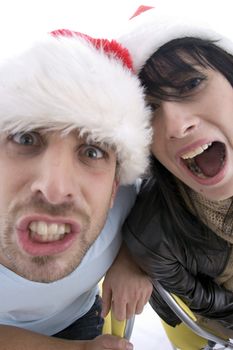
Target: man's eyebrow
x: 102, y: 144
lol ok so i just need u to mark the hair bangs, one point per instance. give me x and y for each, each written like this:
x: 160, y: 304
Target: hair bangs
x: 169, y: 68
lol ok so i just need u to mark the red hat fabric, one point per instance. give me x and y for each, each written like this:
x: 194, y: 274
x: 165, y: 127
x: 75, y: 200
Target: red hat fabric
x: 110, y: 47
x: 141, y: 9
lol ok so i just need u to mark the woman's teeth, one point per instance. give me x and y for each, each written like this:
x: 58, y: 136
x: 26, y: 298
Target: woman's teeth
x: 196, y: 151
x: 48, y: 232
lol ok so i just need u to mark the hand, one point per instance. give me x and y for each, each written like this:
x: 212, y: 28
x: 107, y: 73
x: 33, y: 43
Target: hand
x: 17, y: 338
x: 108, y: 342
x: 126, y: 289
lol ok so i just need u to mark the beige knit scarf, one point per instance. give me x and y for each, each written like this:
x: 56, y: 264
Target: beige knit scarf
x: 213, y: 214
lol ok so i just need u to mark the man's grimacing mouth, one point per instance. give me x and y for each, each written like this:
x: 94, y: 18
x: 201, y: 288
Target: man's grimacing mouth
x: 207, y: 160
x: 48, y: 232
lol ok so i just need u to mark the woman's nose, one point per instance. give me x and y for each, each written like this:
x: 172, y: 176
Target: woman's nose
x: 179, y: 120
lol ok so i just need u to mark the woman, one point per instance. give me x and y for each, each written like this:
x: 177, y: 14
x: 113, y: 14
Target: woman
x: 180, y: 230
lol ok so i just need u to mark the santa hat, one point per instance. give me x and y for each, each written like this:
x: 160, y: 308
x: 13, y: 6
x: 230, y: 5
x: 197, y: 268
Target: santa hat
x: 69, y: 80
x: 148, y: 30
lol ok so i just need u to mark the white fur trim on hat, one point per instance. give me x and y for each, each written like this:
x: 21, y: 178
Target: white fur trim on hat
x: 66, y: 83
x: 205, y: 19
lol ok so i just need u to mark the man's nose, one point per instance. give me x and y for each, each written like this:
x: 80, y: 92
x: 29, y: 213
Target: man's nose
x: 56, y: 178
x: 179, y: 119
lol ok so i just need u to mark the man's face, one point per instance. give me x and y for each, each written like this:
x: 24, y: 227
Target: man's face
x: 54, y: 197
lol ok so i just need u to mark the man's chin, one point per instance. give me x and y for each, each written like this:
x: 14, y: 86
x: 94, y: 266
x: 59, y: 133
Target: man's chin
x: 45, y: 270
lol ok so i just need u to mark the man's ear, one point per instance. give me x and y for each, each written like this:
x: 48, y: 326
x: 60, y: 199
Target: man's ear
x: 114, y: 191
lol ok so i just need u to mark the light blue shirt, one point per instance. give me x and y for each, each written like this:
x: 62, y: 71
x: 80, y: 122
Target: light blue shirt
x: 48, y: 308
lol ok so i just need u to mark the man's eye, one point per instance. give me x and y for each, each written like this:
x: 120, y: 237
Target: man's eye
x: 92, y: 152
x: 26, y: 138
x: 94, y: 157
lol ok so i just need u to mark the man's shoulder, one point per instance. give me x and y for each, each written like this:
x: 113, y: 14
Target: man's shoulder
x: 125, y: 199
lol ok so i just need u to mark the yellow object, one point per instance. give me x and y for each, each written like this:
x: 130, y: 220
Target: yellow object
x: 184, y: 307
x: 183, y: 338
x: 111, y: 325
x: 114, y: 327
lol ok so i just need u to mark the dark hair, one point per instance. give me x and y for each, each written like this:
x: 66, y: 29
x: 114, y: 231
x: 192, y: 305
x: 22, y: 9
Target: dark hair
x: 168, y: 67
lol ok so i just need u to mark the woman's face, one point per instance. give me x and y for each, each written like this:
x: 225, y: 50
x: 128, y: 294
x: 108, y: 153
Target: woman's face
x: 193, y: 134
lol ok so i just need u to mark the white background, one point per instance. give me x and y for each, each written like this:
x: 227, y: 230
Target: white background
x: 22, y: 21
x: 148, y: 333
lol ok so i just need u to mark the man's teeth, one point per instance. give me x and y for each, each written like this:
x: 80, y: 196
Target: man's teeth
x: 44, y: 229
x: 195, y: 152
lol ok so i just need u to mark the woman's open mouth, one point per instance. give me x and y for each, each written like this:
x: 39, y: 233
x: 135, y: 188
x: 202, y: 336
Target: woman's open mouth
x: 206, y: 161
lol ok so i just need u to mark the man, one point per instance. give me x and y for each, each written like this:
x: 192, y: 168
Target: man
x: 73, y: 127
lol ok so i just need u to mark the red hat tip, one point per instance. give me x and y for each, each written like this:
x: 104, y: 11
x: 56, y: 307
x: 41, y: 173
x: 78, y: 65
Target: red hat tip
x: 141, y: 9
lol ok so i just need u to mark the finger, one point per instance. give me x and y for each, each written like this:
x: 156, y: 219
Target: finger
x: 147, y: 296
x: 130, y: 310
x: 119, y: 309
x: 143, y: 301
x: 116, y: 343
x: 149, y: 291
x: 107, y: 300
x: 125, y: 345
x: 140, y: 306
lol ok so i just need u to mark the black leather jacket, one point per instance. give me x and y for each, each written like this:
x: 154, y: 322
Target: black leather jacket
x: 182, y: 267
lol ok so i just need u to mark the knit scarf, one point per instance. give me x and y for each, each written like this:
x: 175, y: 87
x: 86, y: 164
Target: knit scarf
x: 212, y: 213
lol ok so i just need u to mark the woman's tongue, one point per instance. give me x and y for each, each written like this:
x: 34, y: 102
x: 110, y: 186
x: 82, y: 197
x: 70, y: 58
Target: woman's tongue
x: 210, y: 161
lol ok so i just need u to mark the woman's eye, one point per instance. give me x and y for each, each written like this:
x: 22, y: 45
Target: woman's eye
x: 190, y: 85
x: 155, y: 106
x: 26, y: 138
